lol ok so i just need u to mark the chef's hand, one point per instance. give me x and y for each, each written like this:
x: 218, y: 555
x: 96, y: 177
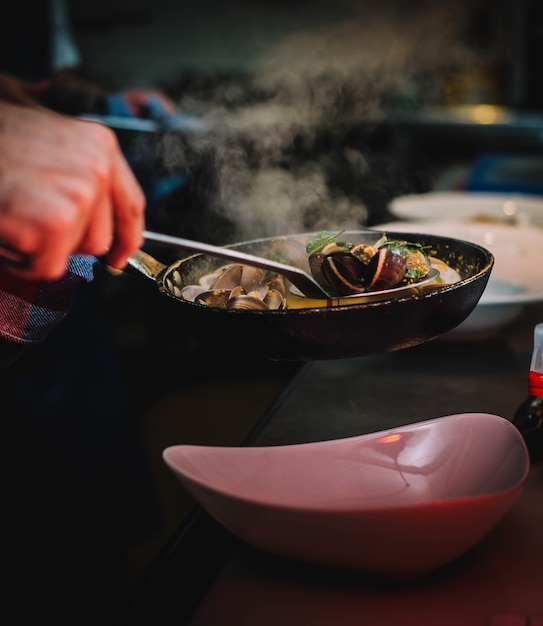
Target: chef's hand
x: 65, y: 189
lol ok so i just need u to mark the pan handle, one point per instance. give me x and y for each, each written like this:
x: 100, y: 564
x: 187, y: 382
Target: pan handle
x: 146, y: 264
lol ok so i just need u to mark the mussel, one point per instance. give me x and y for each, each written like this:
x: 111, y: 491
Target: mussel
x: 337, y: 269
x: 346, y: 269
x: 385, y: 269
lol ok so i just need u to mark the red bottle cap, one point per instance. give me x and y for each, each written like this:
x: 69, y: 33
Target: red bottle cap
x: 535, y: 383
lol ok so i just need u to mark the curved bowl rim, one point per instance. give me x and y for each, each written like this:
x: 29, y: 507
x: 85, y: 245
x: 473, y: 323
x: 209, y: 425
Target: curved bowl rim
x: 313, y: 509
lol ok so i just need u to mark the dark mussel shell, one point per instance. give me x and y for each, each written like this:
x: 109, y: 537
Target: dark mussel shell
x: 346, y: 272
x: 386, y: 269
x: 339, y: 271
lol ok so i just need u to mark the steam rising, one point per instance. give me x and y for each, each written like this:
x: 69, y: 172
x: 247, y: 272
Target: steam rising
x: 279, y: 153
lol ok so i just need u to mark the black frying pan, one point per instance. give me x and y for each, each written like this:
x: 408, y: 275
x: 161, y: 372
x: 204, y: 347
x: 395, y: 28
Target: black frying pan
x: 333, y: 332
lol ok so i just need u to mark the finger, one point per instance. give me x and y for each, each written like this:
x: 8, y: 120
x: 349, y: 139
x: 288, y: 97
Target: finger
x: 17, y: 246
x: 40, y: 265
x: 98, y: 236
x: 37, y: 248
x: 13, y: 257
x: 128, y: 214
x: 50, y: 259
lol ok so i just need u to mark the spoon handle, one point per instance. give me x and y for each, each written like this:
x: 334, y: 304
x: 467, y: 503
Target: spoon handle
x: 305, y: 283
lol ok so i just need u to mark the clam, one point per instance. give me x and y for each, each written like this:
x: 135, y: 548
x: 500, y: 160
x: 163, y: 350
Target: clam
x: 253, y: 279
x: 190, y: 292
x: 214, y: 297
x: 228, y: 277
x: 233, y: 286
x: 418, y: 265
x: 247, y: 302
x: 275, y: 299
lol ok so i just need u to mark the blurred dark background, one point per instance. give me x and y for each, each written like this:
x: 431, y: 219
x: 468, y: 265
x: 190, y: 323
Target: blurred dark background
x: 317, y: 114
x: 293, y: 116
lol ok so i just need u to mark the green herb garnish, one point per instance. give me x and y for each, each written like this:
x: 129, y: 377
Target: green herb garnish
x: 324, y: 238
x: 406, y: 245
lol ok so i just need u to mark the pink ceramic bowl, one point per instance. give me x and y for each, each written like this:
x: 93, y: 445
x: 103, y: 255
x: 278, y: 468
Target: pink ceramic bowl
x: 398, y: 502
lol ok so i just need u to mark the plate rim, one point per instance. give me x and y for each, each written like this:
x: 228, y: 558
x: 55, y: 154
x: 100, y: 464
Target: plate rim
x: 530, y: 202
x: 530, y: 295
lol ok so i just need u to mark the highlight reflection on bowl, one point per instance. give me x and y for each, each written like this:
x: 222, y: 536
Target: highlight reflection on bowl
x: 399, y: 502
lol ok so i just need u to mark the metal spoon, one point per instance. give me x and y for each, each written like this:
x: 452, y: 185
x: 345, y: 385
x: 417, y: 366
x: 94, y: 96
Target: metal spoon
x: 300, y: 279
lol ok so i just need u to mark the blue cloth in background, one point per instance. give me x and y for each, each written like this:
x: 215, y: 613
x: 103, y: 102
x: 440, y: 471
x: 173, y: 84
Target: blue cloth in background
x: 119, y: 105
x: 139, y: 148
x: 507, y: 173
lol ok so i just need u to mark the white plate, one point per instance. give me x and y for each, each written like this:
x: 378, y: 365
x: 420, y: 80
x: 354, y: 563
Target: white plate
x: 470, y: 206
x: 517, y: 276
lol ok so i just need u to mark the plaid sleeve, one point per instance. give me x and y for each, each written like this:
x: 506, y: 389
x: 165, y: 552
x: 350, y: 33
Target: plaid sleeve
x: 29, y: 310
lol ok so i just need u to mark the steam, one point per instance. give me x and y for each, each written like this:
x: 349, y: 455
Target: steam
x: 277, y: 146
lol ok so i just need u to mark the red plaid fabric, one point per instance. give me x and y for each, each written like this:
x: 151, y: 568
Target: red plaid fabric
x: 29, y: 310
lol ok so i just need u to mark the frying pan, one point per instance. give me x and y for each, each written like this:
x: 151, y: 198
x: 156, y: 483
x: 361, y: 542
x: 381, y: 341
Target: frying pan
x: 324, y: 330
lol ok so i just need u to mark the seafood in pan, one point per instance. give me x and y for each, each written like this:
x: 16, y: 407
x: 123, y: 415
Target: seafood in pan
x: 342, y: 268
x: 233, y: 286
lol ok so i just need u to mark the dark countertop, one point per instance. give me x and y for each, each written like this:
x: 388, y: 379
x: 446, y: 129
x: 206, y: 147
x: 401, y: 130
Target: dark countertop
x: 207, y: 577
